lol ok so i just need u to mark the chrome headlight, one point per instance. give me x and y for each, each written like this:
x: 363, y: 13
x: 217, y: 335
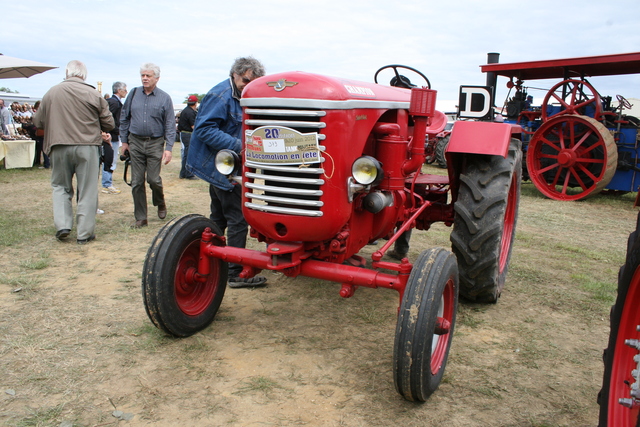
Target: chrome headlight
x: 227, y: 162
x: 367, y: 171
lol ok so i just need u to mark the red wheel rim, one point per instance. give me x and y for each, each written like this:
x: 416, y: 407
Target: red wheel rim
x: 623, y: 363
x: 574, y: 96
x: 509, y: 223
x: 442, y: 335
x: 193, y: 297
x: 569, y: 158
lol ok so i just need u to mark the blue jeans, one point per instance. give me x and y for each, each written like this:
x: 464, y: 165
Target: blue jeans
x: 226, y: 212
x: 185, y: 138
x: 107, y: 172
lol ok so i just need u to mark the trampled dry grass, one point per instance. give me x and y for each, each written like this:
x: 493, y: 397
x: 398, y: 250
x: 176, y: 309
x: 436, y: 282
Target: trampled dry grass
x: 76, y: 344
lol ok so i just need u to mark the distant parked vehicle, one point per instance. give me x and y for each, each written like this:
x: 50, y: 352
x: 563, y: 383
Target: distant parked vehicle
x: 442, y: 142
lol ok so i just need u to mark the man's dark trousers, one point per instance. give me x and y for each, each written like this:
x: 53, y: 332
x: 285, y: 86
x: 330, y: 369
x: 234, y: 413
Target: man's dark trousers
x: 226, y: 212
x: 146, y: 158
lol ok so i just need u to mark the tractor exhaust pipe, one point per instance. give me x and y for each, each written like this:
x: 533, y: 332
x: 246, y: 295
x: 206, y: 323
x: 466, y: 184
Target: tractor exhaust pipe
x: 492, y: 78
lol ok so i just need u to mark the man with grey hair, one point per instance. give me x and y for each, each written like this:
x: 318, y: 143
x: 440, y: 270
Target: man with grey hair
x: 75, y: 118
x: 110, y: 150
x: 218, y: 126
x: 148, y: 131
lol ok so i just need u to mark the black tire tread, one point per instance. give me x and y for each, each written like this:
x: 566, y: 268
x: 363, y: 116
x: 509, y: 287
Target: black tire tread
x: 479, y: 221
x: 157, y: 291
x: 625, y: 275
x: 441, y: 147
x: 414, y: 330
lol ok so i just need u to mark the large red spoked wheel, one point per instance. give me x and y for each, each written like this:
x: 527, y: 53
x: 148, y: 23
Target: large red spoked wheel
x: 176, y: 300
x: 571, y: 157
x: 484, y: 226
x: 425, y: 324
x: 619, y: 398
x: 573, y: 97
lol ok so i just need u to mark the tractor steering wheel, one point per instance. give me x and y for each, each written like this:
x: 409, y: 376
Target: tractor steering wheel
x: 400, y: 80
x: 623, y: 102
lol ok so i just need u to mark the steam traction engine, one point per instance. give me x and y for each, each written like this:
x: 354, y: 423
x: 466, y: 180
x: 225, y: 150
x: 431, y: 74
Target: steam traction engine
x: 328, y: 166
x: 577, y: 143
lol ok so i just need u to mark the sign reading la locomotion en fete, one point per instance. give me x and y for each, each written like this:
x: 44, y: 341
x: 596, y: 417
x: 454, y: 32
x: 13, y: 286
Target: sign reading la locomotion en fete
x: 281, y: 145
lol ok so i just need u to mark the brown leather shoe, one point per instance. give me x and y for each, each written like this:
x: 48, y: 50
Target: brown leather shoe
x: 162, y: 211
x: 139, y: 224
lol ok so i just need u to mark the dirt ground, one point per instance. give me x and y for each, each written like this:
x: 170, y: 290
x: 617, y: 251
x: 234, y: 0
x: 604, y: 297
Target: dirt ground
x: 77, y: 348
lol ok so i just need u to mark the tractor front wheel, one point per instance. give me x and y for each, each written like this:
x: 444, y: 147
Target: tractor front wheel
x: 177, y: 299
x: 484, y: 226
x: 425, y: 324
x: 619, y: 397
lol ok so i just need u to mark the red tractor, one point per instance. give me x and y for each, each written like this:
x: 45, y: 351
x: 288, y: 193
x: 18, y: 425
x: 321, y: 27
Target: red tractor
x: 330, y: 165
x: 619, y: 397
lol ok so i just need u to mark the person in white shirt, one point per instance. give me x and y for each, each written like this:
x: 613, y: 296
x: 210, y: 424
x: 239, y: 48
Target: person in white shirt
x: 5, y: 118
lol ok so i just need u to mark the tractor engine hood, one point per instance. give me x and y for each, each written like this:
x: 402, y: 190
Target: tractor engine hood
x: 324, y: 90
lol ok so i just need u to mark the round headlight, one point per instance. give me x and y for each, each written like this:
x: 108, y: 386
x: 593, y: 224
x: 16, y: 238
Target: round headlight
x: 366, y: 170
x: 227, y: 162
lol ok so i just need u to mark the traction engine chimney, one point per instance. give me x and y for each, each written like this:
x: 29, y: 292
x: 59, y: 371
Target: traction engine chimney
x: 492, y: 78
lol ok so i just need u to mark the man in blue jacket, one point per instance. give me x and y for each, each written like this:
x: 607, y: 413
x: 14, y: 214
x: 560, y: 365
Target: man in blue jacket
x: 218, y: 126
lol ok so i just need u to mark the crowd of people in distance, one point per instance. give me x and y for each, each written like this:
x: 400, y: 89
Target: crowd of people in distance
x: 21, y: 113
x: 16, y: 120
x: 16, y: 123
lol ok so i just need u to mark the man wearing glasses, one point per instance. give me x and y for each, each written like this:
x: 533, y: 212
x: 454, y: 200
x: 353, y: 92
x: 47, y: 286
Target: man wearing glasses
x: 218, y: 126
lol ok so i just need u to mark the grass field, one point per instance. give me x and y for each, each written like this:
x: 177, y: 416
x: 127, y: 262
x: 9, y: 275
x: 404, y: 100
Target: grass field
x: 76, y: 344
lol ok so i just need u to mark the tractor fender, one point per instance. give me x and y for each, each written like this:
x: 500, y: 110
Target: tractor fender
x: 481, y: 138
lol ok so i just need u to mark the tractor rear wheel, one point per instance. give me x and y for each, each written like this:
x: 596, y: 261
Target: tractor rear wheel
x: 484, y: 226
x: 619, y: 397
x: 175, y: 299
x: 425, y: 324
x: 571, y: 157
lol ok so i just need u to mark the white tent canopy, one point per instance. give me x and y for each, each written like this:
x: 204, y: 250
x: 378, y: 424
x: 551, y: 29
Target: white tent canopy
x: 11, y: 68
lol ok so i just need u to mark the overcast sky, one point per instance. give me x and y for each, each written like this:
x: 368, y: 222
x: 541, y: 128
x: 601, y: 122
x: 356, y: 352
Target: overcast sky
x: 195, y: 42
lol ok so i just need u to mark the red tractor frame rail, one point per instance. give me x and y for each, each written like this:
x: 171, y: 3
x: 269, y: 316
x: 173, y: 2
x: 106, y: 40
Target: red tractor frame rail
x: 574, y: 145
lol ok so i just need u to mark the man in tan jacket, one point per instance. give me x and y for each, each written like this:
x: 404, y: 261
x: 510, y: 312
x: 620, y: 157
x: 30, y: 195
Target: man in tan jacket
x: 75, y: 118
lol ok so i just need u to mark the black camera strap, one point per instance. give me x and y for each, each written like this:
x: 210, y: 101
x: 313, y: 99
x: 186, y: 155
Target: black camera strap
x: 127, y: 162
x: 127, y: 156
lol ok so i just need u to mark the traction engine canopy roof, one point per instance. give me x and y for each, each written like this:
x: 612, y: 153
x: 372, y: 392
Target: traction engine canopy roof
x: 603, y: 65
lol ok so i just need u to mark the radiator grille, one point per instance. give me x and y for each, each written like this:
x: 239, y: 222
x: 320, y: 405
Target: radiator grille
x: 283, y: 189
